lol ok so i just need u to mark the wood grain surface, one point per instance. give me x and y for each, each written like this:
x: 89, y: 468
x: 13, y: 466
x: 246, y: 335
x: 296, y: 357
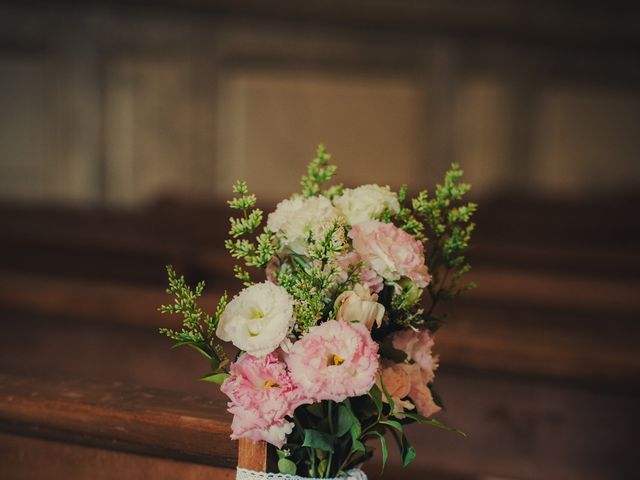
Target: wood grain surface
x: 118, y: 417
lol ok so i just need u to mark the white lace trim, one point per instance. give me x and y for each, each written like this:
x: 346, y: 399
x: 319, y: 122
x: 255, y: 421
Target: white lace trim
x: 244, y: 474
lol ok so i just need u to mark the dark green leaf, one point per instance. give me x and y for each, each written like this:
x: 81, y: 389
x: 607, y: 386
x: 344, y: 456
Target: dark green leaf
x: 320, y: 440
x: 376, y: 396
x: 437, y: 399
x: 408, y: 452
x: 215, y: 363
x: 316, y: 410
x: 286, y: 466
x: 385, y: 451
x: 433, y: 422
x: 345, y: 420
x: 386, y: 395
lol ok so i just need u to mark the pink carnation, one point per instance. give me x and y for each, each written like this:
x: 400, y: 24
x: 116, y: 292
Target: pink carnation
x: 397, y: 383
x: 368, y: 277
x: 419, y: 392
x: 417, y: 346
x: 391, y: 252
x: 262, y: 394
x: 334, y: 360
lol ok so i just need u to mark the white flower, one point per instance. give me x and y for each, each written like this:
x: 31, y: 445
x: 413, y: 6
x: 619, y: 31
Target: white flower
x: 293, y: 220
x: 359, y: 305
x: 258, y: 319
x: 366, y: 203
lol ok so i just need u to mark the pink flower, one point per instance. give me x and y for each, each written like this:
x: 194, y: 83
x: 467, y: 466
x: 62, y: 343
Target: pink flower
x: 262, y: 394
x: 368, y: 277
x: 334, y: 360
x: 417, y: 346
x: 397, y: 382
x: 391, y: 252
x: 419, y: 392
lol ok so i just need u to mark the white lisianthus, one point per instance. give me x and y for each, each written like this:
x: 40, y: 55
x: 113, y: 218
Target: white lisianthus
x: 258, y: 319
x: 366, y: 203
x: 293, y: 219
x: 360, y: 305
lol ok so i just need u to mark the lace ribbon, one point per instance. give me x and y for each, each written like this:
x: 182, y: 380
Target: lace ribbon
x: 244, y: 474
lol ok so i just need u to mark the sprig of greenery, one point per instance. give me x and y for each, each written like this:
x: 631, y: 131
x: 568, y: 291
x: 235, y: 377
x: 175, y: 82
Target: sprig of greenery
x: 319, y: 172
x: 313, y: 279
x: 198, y: 328
x: 254, y: 252
x: 448, y: 224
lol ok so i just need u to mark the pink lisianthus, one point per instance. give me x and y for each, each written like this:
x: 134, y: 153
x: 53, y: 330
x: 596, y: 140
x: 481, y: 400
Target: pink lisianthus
x: 391, y: 252
x: 417, y: 346
x: 334, y: 360
x: 262, y: 394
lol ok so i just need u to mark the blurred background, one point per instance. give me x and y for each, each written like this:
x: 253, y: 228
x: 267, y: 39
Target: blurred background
x: 124, y: 123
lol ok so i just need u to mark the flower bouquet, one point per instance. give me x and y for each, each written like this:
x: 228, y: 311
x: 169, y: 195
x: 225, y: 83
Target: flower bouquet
x: 335, y: 337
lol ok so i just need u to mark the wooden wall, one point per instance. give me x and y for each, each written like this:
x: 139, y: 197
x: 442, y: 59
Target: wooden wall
x: 115, y: 103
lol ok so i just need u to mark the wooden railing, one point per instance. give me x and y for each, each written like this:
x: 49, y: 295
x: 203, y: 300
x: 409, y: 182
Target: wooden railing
x: 134, y: 427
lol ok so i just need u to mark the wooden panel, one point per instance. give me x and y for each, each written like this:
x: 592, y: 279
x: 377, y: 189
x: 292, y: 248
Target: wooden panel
x: 24, y: 458
x: 117, y: 416
x: 276, y: 119
x: 24, y: 141
x: 147, y: 128
x: 587, y: 139
x: 482, y: 122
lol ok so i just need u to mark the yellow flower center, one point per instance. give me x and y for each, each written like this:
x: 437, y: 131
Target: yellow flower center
x: 256, y: 313
x: 337, y: 359
x: 270, y: 383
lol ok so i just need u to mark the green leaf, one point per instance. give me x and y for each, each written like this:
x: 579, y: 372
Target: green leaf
x: 358, y: 446
x: 345, y: 420
x: 286, y: 466
x: 383, y: 445
x: 217, y: 378
x: 437, y: 399
x: 433, y: 422
x: 393, y: 424
x: 386, y: 394
x: 320, y: 440
x: 408, y: 452
x: 196, y: 347
x: 376, y: 396
x: 215, y: 363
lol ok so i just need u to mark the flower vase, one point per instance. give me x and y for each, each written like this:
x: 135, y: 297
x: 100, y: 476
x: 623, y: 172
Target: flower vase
x: 255, y: 459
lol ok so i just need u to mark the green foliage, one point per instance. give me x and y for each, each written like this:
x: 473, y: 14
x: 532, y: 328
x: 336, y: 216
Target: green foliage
x: 255, y: 252
x: 319, y: 172
x: 286, y: 466
x: 198, y: 328
x: 313, y: 280
x: 443, y: 222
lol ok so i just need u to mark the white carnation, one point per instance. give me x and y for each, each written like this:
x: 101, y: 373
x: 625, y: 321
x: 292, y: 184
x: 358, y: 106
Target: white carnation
x: 366, y: 202
x: 294, y: 219
x: 258, y: 319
